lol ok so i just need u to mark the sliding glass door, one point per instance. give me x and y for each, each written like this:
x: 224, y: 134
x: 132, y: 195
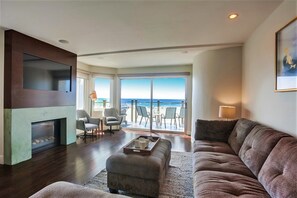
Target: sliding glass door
x: 136, y: 102
x: 169, y: 104
x: 155, y: 104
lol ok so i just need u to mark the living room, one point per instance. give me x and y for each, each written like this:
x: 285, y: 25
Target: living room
x: 231, y: 65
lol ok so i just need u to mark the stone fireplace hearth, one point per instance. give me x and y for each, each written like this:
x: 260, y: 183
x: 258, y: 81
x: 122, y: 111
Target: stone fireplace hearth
x: 18, y: 129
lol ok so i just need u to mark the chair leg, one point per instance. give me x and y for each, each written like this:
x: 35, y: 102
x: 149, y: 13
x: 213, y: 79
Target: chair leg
x: 175, y: 122
x: 146, y: 122
x: 110, y: 130
x: 140, y: 120
x: 84, y: 136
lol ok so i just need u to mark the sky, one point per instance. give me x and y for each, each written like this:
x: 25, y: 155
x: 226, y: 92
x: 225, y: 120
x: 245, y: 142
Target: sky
x: 102, y: 87
x: 163, y: 88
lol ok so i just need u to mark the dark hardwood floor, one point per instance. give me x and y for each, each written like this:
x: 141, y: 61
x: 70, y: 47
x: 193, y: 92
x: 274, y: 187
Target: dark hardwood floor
x: 76, y: 163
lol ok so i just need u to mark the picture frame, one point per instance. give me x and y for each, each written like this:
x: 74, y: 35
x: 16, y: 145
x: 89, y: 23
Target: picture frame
x: 286, y: 58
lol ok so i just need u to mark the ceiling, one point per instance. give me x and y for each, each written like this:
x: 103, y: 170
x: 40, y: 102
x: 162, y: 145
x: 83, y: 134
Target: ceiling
x: 137, y: 33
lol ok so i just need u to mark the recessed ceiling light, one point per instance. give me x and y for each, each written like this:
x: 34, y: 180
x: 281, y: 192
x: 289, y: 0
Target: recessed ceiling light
x: 233, y: 16
x: 63, y: 41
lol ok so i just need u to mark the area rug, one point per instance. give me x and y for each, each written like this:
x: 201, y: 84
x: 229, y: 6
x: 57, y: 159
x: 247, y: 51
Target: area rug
x: 178, y: 181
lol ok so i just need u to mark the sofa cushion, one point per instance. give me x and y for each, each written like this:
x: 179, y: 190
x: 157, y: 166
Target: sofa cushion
x: 209, y: 146
x: 213, y: 184
x: 279, y: 172
x: 214, y: 130
x: 257, y: 146
x: 65, y: 189
x: 220, y: 162
x: 242, y: 128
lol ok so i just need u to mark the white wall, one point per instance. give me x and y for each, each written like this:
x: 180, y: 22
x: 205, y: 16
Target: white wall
x: 155, y: 69
x: 1, y: 95
x: 83, y: 67
x: 260, y: 102
x: 216, y: 81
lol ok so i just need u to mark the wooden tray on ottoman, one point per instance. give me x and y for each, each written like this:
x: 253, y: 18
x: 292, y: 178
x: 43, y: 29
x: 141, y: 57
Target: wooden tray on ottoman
x: 130, y: 147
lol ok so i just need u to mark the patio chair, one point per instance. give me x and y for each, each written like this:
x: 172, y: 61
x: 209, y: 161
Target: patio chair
x: 139, y: 113
x: 181, y: 116
x: 124, y: 115
x: 144, y: 114
x: 86, y: 123
x: 112, y: 118
x: 170, y: 113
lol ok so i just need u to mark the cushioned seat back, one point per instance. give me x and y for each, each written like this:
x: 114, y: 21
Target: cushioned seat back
x: 82, y: 115
x: 110, y: 112
x: 242, y: 128
x: 279, y: 172
x: 214, y: 130
x: 257, y: 146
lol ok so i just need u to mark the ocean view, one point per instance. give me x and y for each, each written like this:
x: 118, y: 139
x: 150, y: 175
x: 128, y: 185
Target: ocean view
x: 126, y: 103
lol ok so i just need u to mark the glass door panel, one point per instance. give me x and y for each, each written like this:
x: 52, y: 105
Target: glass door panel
x: 136, y: 103
x: 169, y: 104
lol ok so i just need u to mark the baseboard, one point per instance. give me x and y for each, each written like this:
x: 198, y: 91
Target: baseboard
x: 1, y: 159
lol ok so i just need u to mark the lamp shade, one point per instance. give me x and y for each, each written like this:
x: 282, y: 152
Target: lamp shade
x: 93, y: 95
x: 227, y: 112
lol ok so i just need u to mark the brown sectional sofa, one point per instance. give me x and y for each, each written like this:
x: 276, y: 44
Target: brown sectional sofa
x: 241, y: 158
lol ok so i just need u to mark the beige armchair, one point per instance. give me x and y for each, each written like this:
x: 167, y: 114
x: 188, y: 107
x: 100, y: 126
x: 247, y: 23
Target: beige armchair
x: 112, y: 118
x: 86, y: 123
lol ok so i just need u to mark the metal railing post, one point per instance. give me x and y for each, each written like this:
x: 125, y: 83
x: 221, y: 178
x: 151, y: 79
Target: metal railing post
x: 135, y: 111
x: 132, y: 109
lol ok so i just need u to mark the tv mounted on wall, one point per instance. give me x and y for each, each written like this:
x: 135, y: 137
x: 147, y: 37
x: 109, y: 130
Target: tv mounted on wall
x: 43, y: 74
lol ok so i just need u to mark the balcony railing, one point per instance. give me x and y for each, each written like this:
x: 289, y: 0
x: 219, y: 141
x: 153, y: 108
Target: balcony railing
x: 133, y: 117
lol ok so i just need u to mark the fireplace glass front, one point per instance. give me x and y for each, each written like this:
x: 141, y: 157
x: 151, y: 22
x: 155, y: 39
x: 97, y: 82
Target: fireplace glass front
x: 45, y: 135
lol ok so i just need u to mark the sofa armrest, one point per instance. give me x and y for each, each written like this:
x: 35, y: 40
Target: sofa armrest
x: 214, y: 130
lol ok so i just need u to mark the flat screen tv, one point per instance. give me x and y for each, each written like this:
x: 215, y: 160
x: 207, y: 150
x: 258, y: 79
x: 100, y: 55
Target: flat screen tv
x: 43, y: 74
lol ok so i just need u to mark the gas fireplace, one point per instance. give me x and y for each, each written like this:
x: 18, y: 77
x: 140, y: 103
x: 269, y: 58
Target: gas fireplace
x: 45, y: 135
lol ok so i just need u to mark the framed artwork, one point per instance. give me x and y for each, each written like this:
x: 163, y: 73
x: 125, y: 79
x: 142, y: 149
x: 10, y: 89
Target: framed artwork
x: 286, y: 57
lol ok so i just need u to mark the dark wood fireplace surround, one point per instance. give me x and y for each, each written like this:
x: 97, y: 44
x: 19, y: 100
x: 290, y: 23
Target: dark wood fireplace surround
x: 16, y: 44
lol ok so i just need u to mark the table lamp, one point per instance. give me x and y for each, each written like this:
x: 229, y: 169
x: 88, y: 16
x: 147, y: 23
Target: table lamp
x: 227, y: 112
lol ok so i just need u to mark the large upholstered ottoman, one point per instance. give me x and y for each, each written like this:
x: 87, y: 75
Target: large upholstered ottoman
x: 139, y: 174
